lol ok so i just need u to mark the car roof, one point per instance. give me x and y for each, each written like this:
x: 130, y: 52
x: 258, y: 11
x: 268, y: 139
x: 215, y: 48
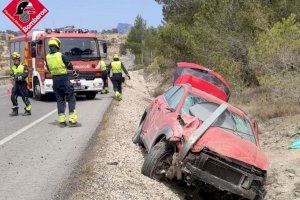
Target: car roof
x: 196, y: 66
x: 214, y: 99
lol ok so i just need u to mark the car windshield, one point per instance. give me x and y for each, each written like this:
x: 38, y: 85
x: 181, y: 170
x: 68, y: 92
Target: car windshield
x: 78, y: 48
x: 228, y: 120
x: 203, y: 75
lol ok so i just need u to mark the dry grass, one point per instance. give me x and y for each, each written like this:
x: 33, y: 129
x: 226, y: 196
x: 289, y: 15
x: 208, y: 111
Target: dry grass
x: 267, y: 110
x: 265, y: 103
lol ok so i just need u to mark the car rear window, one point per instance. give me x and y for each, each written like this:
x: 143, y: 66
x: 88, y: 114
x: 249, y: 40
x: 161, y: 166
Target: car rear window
x: 203, y: 75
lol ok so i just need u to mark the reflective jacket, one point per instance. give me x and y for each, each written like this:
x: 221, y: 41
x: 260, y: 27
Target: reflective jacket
x: 103, y: 65
x: 116, y: 67
x: 56, y: 64
x: 18, y: 70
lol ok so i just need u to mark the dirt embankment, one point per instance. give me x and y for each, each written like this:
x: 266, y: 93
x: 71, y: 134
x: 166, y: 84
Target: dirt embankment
x: 112, y: 170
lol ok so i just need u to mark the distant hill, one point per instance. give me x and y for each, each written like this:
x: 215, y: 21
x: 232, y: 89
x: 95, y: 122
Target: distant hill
x: 123, y: 28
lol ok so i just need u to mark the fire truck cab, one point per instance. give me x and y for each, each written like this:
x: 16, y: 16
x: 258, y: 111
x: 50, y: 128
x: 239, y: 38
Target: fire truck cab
x: 81, y: 47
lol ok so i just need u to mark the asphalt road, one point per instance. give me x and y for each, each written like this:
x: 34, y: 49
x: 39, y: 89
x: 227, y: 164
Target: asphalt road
x: 36, y: 154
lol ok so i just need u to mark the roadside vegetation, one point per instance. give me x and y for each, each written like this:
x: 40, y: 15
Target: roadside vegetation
x: 254, y: 44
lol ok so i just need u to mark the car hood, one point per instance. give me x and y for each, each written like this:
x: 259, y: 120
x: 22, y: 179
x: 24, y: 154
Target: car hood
x: 227, y: 144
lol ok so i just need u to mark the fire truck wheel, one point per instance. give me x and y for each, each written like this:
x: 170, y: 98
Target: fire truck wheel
x: 37, y: 91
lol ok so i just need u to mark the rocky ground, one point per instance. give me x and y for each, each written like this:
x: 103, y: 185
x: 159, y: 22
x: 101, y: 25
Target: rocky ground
x: 112, y: 168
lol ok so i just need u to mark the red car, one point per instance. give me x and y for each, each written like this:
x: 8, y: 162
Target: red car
x: 196, y: 137
x: 203, y: 79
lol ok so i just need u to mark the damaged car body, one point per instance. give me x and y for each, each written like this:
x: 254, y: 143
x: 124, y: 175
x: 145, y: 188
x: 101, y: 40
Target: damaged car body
x: 196, y: 137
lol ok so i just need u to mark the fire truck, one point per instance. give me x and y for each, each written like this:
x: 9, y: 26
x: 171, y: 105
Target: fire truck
x: 81, y: 47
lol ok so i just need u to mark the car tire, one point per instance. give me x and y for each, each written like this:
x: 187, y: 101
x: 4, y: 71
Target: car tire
x: 158, y: 161
x: 90, y: 95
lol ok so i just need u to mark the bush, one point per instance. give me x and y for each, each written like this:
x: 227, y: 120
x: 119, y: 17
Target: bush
x: 278, y: 49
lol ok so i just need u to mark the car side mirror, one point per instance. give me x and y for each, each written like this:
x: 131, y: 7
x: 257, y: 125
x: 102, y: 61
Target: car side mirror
x: 103, y: 49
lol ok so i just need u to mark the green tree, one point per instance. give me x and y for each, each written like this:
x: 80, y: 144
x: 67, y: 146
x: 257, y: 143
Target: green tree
x: 135, y: 38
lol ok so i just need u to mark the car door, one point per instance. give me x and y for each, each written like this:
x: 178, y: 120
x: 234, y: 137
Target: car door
x: 165, y: 112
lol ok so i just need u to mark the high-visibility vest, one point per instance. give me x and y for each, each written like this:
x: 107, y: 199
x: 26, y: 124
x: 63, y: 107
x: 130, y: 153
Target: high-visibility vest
x: 103, y: 65
x: 18, y: 70
x: 116, y: 67
x: 55, y: 64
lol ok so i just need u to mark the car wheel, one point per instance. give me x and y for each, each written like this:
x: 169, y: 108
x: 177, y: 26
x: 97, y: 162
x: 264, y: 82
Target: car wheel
x: 158, y: 161
x: 136, y: 139
x: 91, y: 95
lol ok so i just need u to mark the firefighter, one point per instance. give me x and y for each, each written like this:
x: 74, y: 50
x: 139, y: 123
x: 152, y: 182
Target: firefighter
x: 58, y: 65
x: 116, y: 66
x: 104, y: 77
x: 19, y: 73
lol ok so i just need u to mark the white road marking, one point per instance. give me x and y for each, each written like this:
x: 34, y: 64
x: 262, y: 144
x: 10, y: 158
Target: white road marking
x: 15, y: 134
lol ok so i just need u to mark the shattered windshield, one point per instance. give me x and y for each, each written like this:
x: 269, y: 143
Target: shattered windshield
x: 79, y: 48
x: 228, y: 120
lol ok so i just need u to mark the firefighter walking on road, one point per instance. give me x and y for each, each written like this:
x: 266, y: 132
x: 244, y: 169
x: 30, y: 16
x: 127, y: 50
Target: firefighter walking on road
x: 117, y: 67
x: 104, y: 77
x: 58, y: 65
x: 19, y: 73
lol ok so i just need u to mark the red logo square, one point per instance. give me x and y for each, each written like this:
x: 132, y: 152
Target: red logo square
x: 25, y: 14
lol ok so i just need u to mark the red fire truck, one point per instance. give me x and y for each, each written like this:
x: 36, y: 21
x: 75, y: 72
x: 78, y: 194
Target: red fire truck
x: 79, y: 46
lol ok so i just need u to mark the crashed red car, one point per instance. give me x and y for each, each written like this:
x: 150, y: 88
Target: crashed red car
x: 196, y: 137
x: 203, y: 79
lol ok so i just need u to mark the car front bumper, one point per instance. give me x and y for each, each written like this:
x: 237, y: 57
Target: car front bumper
x: 82, y: 85
x: 223, y: 176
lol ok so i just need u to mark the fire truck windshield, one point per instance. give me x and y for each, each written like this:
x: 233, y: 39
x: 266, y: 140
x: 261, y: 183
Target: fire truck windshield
x: 79, y: 48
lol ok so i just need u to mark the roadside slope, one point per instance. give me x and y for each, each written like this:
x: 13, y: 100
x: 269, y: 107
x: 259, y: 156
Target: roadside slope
x: 113, y: 169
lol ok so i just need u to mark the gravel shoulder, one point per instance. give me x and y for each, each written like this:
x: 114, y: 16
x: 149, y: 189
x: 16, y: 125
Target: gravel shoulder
x: 112, y: 169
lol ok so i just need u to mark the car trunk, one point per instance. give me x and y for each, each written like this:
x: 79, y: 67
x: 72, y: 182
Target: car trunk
x: 203, y: 79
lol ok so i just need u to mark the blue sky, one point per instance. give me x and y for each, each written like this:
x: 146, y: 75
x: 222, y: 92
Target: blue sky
x: 91, y: 14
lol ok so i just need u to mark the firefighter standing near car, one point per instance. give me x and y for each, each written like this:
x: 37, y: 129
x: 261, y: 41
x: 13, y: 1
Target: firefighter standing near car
x: 117, y: 67
x: 104, y: 75
x: 58, y: 65
x: 19, y: 73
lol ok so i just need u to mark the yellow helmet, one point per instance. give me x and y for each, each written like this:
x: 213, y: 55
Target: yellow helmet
x: 16, y: 55
x: 54, y: 42
x: 116, y: 56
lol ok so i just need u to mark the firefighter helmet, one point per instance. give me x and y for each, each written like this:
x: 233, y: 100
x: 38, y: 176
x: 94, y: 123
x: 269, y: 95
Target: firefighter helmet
x: 116, y: 56
x: 54, y: 42
x: 16, y: 55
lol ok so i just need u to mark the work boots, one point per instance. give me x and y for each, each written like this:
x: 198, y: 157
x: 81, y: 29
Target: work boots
x: 27, y: 110
x: 27, y: 113
x: 15, y: 112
